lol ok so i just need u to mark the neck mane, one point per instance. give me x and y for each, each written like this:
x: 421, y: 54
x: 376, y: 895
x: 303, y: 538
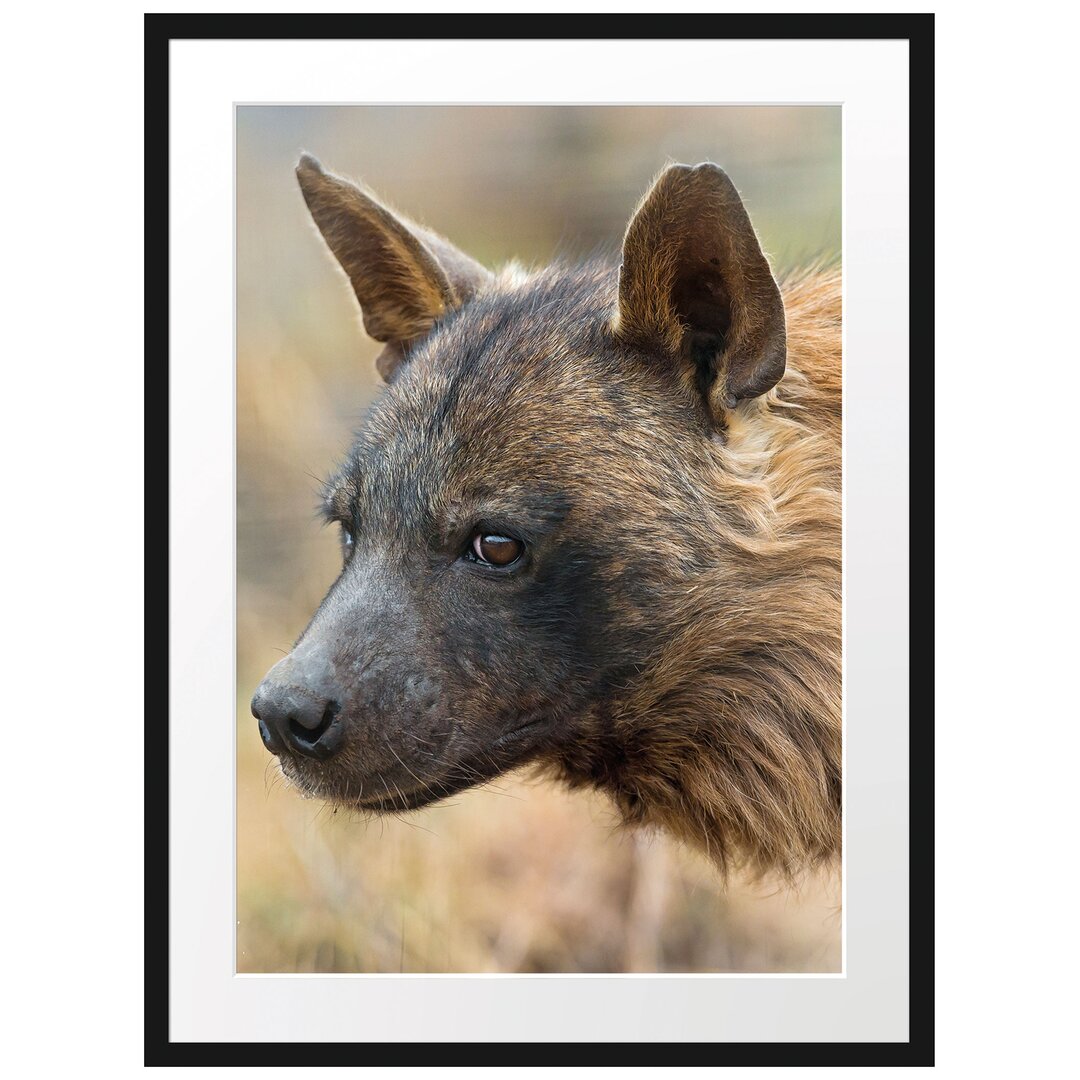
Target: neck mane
x: 732, y: 739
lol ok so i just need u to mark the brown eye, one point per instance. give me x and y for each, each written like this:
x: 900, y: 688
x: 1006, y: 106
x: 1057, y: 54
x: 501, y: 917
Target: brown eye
x: 496, y: 550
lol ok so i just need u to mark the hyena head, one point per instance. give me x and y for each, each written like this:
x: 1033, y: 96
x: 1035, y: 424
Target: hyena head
x: 529, y: 506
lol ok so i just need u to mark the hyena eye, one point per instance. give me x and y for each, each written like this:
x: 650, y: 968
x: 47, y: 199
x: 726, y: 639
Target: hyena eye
x: 495, y: 550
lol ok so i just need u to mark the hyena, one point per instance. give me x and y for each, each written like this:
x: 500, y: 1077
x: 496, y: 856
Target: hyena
x: 592, y: 524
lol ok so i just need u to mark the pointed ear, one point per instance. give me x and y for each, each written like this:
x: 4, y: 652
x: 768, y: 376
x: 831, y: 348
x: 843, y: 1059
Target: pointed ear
x: 404, y: 276
x: 695, y: 284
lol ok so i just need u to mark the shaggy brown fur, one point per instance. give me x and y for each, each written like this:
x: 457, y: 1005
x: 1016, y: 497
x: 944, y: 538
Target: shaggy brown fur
x: 671, y: 633
x: 732, y: 738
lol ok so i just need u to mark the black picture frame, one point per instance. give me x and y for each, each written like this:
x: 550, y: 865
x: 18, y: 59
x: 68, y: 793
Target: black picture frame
x: 918, y: 31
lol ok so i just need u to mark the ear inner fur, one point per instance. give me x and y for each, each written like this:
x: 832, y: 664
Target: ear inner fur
x: 694, y: 282
x: 404, y: 276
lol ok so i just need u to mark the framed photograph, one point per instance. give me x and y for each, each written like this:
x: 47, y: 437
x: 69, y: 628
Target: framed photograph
x: 540, y: 624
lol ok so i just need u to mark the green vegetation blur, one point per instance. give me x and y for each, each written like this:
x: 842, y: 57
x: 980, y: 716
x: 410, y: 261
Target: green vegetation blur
x: 519, y: 876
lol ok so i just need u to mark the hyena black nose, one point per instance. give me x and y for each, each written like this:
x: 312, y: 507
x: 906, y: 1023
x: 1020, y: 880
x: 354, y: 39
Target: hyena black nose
x: 295, y: 718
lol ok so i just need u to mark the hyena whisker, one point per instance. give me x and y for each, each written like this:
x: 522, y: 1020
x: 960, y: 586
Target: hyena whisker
x: 402, y: 763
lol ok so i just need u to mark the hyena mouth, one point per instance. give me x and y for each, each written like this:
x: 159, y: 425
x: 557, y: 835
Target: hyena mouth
x: 509, y: 751
x: 400, y: 802
x: 520, y: 734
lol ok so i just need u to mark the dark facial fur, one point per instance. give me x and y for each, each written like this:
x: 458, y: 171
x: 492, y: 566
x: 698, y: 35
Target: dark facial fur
x: 506, y: 421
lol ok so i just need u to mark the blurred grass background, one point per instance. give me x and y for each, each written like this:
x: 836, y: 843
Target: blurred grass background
x: 518, y: 876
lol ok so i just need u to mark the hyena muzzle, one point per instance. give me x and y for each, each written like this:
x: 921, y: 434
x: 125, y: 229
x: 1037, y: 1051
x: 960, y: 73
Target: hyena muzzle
x: 589, y: 524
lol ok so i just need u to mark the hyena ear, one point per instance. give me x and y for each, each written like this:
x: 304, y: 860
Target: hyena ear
x: 404, y: 276
x: 694, y: 282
